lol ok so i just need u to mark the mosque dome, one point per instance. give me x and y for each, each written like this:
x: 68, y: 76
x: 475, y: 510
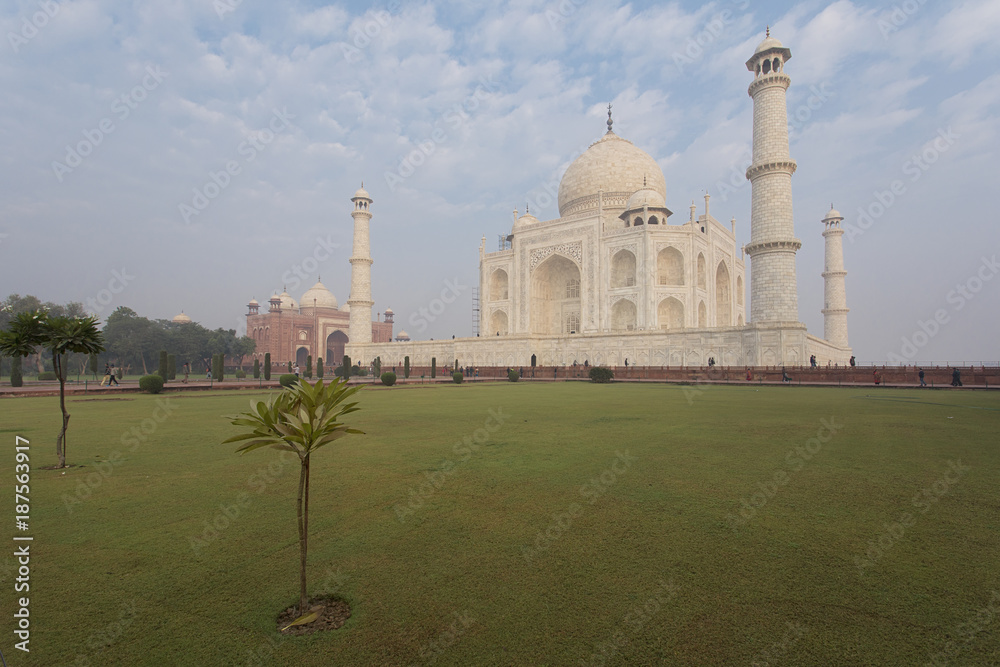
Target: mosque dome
x: 526, y: 219
x: 612, y: 165
x: 768, y: 43
x: 834, y: 214
x: 181, y: 319
x: 287, y: 302
x: 402, y: 335
x: 253, y: 302
x: 319, y: 296
x: 388, y: 311
x: 646, y: 197
x: 361, y: 193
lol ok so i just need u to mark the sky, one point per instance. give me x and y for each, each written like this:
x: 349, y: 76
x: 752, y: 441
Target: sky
x: 182, y: 155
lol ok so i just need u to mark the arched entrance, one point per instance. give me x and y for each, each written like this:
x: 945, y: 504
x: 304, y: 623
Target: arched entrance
x: 335, y: 343
x: 300, y: 359
x: 555, y: 296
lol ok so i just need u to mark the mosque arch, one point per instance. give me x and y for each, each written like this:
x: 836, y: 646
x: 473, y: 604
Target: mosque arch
x: 702, y: 315
x: 767, y: 67
x: 653, y: 220
x: 555, y: 296
x: 335, y: 344
x: 723, y: 298
x: 702, y: 272
x: 623, y: 269
x: 498, y: 323
x: 670, y: 267
x: 300, y: 358
x: 670, y: 313
x: 637, y: 221
x: 623, y: 315
x: 739, y: 290
x: 499, y: 282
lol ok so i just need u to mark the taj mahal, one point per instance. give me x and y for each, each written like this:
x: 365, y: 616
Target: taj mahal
x: 615, y: 277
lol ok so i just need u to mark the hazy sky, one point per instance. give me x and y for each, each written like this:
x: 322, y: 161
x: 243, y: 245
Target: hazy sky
x: 190, y: 155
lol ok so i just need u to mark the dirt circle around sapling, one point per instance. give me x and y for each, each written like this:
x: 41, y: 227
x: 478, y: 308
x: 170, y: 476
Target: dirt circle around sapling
x: 333, y: 615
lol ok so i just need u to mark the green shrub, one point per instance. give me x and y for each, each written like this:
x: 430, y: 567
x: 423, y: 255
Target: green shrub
x: 319, y: 368
x: 151, y: 384
x: 512, y: 375
x: 290, y: 369
x: 345, y: 367
x: 241, y: 374
x: 288, y: 379
x: 377, y: 367
x: 47, y: 375
x: 406, y: 368
x: 16, y: 379
x: 256, y: 369
x: 161, y: 368
x: 267, y: 366
x: 457, y: 377
x: 434, y: 370
x: 92, y: 365
x: 309, y: 366
x: 601, y: 374
x: 171, y: 367
x: 388, y: 378
x: 357, y: 371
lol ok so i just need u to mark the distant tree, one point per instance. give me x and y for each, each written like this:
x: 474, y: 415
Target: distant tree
x: 267, y: 366
x: 319, y: 368
x: 377, y: 367
x: 218, y: 366
x: 171, y: 367
x: 406, y: 367
x: 243, y: 347
x: 456, y: 365
x: 345, y: 369
x: 434, y: 362
x: 290, y: 369
x: 16, y: 379
x: 161, y: 368
x: 309, y: 366
x: 256, y: 369
x: 92, y: 365
x: 61, y: 335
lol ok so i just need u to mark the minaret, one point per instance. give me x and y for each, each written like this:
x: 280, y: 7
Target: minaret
x: 772, y: 247
x: 360, y: 300
x: 834, y: 292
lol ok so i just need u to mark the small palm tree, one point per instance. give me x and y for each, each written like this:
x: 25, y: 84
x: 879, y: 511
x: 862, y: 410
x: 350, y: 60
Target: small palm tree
x: 301, y: 419
x: 61, y: 335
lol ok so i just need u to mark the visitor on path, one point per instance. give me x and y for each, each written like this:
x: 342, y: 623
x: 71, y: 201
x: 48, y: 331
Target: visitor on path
x: 113, y: 377
x: 187, y: 372
x: 785, y: 377
x: 852, y: 361
x: 296, y: 370
x: 956, y: 378
x: 875, y: 377
x: 107, y: 375
x: 921, y: 376
x: 812, y: 361
x: 749, y: 375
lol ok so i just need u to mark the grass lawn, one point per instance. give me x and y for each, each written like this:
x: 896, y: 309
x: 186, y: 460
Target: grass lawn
x: 597, y: 524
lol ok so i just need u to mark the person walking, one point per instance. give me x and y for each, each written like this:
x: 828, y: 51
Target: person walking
x: 187, y: 371
x: 107, y: 375
x: 921, y: 376
x: 113, y: 379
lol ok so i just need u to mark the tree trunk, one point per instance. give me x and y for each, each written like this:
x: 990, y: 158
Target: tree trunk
x: 303, y: 488
x: 61, y: 440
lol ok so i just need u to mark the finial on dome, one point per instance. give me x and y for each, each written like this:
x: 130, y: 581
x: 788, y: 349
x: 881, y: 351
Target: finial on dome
x: 767, y: 33
x: 644, y: 180
x: 526, y: 209
x: 610, y: 122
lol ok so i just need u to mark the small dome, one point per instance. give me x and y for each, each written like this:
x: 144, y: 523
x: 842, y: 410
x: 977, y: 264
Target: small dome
x: 253, y: 302
x: 767, y: 44
x: 287, y: 302
x: 402, y: 335
x: 834, y: 214
x: 526, y: 219
x: 388, y: 311
x: 182, y: 319
x: 361, y: 194
x: 645, y: 197
x: 346, y: 308
x: 319, y: 296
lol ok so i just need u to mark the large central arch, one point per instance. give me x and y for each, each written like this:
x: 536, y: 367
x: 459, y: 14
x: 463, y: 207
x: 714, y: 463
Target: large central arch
x: 555, y: 296
x: 335, y: 343
x: 723, y: 300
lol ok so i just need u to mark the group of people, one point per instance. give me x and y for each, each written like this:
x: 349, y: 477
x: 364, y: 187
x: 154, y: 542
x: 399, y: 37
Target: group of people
x: 110, y: 375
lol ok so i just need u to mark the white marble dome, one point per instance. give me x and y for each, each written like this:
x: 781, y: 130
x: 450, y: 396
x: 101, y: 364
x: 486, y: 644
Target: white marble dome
x: 612, y: 165
x: 287, y: 302
x: 181, y: 319
x: 646, y: 197
x: 319, y: 296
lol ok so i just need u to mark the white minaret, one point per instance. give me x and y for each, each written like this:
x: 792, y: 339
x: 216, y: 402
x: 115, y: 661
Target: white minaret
x: 360, y: 301
x: 772, y: 247
x: 834, y: 292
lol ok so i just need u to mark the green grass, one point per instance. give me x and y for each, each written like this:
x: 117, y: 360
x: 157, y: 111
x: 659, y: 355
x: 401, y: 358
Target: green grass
x: 651, y: 572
